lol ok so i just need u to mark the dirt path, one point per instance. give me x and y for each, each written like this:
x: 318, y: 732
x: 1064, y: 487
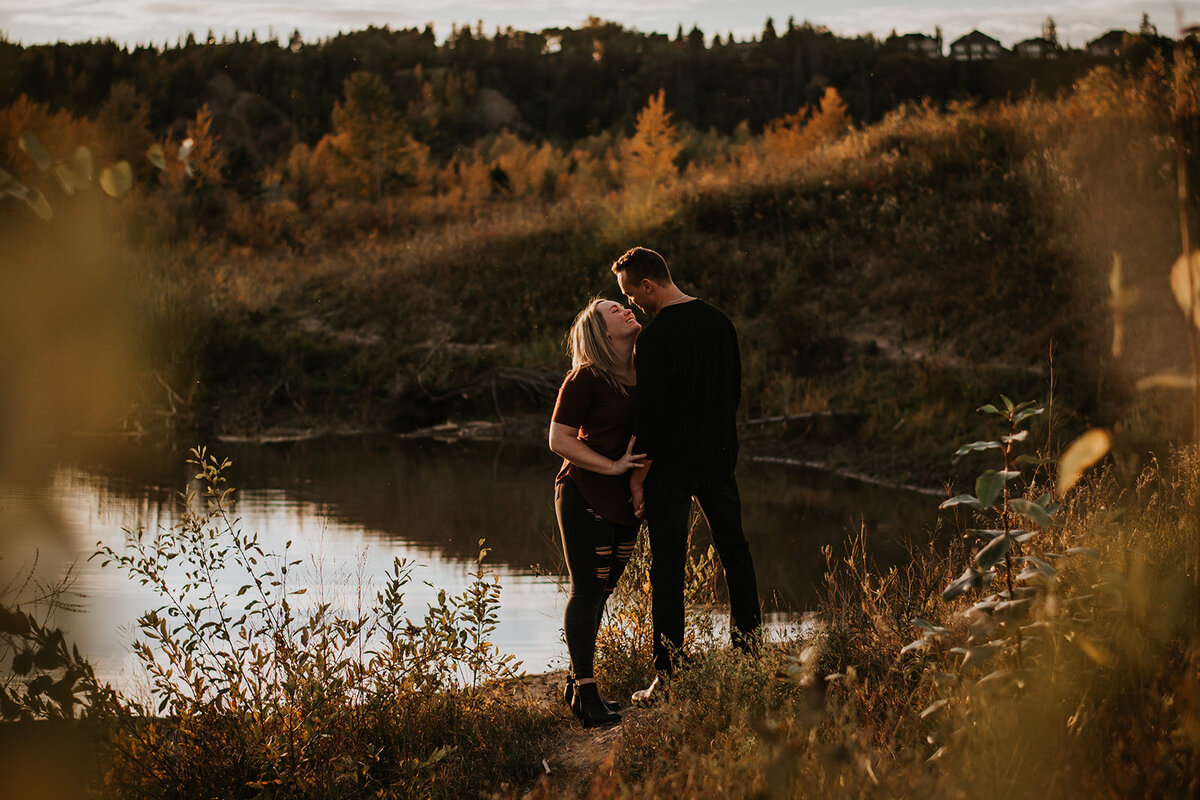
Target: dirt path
x: 575, y: 752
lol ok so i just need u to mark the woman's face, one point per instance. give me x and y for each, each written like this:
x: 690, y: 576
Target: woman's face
x: 620, y: 320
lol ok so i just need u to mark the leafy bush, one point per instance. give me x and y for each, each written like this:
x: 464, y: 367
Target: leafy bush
x: 257, y: 692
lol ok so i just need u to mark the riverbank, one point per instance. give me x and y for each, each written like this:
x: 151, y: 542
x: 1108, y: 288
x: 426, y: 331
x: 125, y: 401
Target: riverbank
x: 897, y: 685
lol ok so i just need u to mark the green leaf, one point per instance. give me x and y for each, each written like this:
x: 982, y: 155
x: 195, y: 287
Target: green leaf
x: 1019, y: 436
x: 117, y: 180
x: 1011, y: 610
x: 49, y: 657
x: 988, y: 487
x: 929, y: 627
x: 81, y: 162
x: 1030, y: 509
x: 988, y: 408
x: 22, y: 662
x: 39, y: 685
x: 934, y: 707
x: 30, y: 144
x: 970, y: 579
x: 1079, y: 456
x: 982, y: 654
x: 978, y: 446
x: 40, y: 205
x: 66, y: 178
x: 1000, y: 676
x: 994, y: 553
x: 1025, y: 414
x: 157, y: 157
x: 984, y: 533
x: 961, y: 500
x: 1008, y: 404
x: 1087, y: 552
x: 13, y: 622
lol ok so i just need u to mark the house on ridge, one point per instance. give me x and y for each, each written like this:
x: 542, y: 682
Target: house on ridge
x: 1037, y: 48
x: 976, y: 46
x: 919, y: 44
x: 1108, y: 45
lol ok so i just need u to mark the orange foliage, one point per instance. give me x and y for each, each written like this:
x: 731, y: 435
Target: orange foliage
x: 374, y: 148
x: 651, y: 153
x: 206, y: 158
x: 58, y: 131
x: 796, y: 134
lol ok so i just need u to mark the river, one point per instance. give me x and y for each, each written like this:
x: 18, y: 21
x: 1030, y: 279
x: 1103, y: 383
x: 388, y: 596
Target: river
x: 351, y: 505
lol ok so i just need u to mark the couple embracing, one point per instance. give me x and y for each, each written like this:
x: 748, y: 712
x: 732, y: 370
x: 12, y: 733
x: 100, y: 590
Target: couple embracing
x: 642, y: 430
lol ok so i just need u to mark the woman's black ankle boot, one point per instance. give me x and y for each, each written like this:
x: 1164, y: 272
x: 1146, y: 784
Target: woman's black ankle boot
x: 569, y: 696
x: 590, y: 708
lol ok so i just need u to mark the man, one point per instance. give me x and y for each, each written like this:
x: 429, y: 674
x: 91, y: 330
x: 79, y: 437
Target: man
x: 689, y: 377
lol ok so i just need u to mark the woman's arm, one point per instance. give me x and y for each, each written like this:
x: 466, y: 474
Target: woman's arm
x: 565, y: 441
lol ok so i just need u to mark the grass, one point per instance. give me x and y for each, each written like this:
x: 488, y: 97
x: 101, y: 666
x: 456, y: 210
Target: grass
x: 1106, y: 705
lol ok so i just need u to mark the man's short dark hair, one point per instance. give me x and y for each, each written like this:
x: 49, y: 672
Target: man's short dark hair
x: 641, y: 262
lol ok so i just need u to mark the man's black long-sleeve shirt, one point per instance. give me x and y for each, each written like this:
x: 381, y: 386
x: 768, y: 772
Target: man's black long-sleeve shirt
x: 689, y: 386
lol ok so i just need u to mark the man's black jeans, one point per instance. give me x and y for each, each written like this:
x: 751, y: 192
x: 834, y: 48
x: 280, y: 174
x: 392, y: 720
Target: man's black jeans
x: 669, y: 493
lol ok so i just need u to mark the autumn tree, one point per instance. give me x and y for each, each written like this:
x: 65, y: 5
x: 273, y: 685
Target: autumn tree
x: 371, y: 141
x: 651, y: 153
x: 206, y: 157
x: 796, y: 134
x: 59, y: 131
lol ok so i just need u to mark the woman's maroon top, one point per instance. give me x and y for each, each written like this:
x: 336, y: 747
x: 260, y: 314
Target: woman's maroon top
x: 604, y: 418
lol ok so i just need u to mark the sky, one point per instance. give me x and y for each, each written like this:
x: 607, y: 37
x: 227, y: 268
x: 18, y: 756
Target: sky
x: 167, y: 21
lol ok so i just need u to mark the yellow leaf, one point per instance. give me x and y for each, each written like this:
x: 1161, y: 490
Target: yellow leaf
x: 156, y: 156
x: 1166, y: 380
x: 117, y: 180
x: 1095, y: 652
x: 1185, y: 283
x: 1082, y: 454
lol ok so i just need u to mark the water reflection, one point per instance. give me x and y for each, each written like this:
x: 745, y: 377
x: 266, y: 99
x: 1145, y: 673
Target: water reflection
x: 351, y: 505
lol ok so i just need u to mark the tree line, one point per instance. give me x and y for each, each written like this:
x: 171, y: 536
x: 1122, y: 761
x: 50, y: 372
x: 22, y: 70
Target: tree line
x: 563, y: 84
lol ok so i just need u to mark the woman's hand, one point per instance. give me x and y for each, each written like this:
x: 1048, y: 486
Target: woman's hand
x: 628, y: 461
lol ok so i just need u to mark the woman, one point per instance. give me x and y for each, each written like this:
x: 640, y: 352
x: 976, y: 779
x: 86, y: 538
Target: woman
x: 592, y: 429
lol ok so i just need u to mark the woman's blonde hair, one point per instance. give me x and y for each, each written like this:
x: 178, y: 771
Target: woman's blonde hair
x: 588, y: 345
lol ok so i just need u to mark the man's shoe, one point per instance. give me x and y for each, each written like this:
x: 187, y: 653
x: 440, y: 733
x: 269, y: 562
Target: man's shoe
x: 659, y: 689
x: 569, y: 696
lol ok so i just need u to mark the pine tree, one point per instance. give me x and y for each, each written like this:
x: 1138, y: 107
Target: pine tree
x: 655, y: 145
